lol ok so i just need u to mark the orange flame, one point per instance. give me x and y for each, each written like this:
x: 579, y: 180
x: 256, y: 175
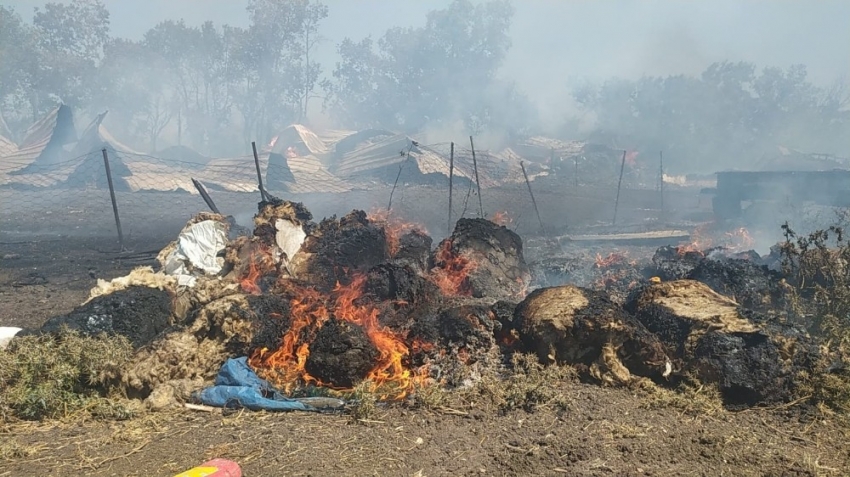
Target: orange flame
x: 451, y: 275
x: 699, y: 241
x: 260, y: 262
x: 394, y: 228
x: 740, y: 240
x: 285, y: 366
x: 737, y: 240
x: 613, y: 258
x: 502, y: 218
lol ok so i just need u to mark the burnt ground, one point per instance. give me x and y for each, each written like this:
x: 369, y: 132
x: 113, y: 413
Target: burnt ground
x: 587, y: 430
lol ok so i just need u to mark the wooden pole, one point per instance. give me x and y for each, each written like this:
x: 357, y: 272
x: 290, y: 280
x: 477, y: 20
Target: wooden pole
x: 661, y: 178
x: 477, y: 183
x: 205, y: 195
x: 533, y: 202
x: 395, y: 184
x: 112, y: 196
x: 259, y: 173
x: 619, y: 184
x: 451, y: 177
x: 575, y: 174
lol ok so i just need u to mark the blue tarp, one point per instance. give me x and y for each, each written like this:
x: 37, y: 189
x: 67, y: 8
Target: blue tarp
x: 237, y: 385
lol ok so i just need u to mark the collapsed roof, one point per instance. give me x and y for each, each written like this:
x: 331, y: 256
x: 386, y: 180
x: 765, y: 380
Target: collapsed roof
x: 43, y: 144
x: 297, y: 160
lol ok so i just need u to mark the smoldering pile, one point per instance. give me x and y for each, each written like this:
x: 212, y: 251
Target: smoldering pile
x: 370, y: 299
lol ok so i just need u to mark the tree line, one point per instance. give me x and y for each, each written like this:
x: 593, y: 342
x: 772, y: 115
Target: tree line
x: 218, y: 87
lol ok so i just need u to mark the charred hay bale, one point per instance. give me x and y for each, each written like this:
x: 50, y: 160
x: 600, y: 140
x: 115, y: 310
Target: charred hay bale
x: 399, y: 283
x: 503, y: 312
x: 584, y: 328
x: 709, y: 338
x: 270, y: 315
x: 341, y: 354
x: 139, y: 313
x: 750, y: 284
x: 498, y: 268
x: 673, y: 263
x: 414, y: 250
x: 336, y: 249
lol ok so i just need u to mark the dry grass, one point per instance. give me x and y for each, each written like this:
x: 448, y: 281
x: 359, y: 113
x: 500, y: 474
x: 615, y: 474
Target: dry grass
x: 48, y: 377
x: 363, y: 402
x: 691, y: 397
x: 528, y: 385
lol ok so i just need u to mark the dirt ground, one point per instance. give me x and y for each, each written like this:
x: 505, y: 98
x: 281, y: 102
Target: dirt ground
x: 585, y: 430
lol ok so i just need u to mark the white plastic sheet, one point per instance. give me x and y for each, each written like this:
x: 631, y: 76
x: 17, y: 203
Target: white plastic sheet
x: 289, y: 237
x: 198, y: 245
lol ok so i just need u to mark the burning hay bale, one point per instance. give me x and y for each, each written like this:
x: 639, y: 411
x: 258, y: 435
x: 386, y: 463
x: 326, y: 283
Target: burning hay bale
x: 414, y: 250
x: 341, y: 354
x: 584, y: 328
x: 708, y: 338
x: 335, y: 249
x: 481, y: 259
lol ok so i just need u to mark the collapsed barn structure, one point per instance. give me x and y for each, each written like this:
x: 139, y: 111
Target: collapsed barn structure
x: 52, y: 154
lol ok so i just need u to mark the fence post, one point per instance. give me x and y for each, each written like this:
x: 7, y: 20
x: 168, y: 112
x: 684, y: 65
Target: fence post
x: 477, y: 183
x: 204, y: 195
x: 661, y: 178
x: 619, y: 184
x: 112, y: 196
x: 451, y: 176
x: 533, y: 202
x: 259, y: 174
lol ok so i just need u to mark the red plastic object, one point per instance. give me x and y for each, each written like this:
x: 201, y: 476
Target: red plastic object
x: 214, y: 468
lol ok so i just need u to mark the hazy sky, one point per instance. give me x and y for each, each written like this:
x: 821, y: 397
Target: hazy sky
x: 556, y: 40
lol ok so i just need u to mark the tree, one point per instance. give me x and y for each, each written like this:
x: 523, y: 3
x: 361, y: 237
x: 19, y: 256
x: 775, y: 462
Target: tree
x: 728, y: 116
x: 413, y: 77
x: 69, y: 39
x: 17, y: 69
x: 277, y: 75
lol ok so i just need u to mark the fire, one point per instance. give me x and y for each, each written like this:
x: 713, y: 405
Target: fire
x: 249, y: 282
x: 451, y: 275
x: 285, y: 366
x: 394, y: 228
x: 613, y: 258
x: 502, y: 218
x: 260, y: 262
x: 699, y: 241
x: 740, y: 240
x: 736, y: 240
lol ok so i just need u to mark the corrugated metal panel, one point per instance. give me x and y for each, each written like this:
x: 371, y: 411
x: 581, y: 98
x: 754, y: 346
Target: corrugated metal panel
x: 55, y: 129
x: 311, y: 176
x: 302, y: 140
x: 7, y: 147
